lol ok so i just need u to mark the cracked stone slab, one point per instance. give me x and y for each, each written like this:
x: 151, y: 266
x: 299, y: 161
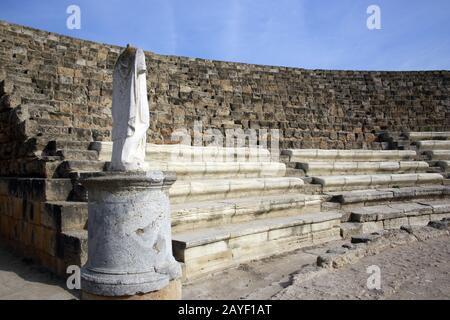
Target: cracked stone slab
x: 375, y: 213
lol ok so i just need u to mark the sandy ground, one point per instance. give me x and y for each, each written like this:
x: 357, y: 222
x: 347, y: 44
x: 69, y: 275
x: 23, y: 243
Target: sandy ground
x: 20, y: 280
x: 419, y: 270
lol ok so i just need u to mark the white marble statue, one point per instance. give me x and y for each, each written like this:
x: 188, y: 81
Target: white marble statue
x: 130, y: 111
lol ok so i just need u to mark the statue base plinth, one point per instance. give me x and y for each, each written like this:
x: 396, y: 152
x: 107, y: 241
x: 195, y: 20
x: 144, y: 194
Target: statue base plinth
x: 129, y: 236
x: 170, y: 292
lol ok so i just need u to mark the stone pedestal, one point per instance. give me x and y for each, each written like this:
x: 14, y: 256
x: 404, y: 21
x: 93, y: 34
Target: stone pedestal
x: 171, y: 292
x: 129, y: 237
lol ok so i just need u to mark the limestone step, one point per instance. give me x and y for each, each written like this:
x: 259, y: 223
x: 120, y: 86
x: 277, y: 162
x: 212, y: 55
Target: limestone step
x: 353, y: 182
x: 67, y: 144
x: 204, y: 251
x: 81, y: 134
x: 183, y: 153
x: 66, y: 168
x: 305, y: 155
x: 37, y: 189
x: 417, y: 136
x: 350, y: 229
x: 188, y: 216
x: 72, y: 249
x: 291, y: 172
x: 369, y: 197
x: 433, y: 145
x: 437, y: 154
x: 360, y: 167
x: 395, y: 215
x: 71, y: 154
x: 65, y: 215
x: 217, y: 170
x: 444, y: 165
x: 218, y: 189
x: 435, y: 169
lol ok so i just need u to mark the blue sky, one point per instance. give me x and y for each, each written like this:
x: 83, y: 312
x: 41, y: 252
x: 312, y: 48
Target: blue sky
x: 313, y: 34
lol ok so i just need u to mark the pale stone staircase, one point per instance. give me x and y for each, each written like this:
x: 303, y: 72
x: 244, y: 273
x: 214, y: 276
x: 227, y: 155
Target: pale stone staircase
x: 229, y: 205
x: 374, y: 189
x: 434, y: 147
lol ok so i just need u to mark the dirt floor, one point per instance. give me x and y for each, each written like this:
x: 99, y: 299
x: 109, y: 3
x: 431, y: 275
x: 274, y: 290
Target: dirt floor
x: 22, y: 280
x: 416, y: 266
x: 418, y: 270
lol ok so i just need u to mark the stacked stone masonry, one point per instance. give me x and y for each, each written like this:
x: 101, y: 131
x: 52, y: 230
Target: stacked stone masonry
x: 56, y: 86
x: 229, y: 206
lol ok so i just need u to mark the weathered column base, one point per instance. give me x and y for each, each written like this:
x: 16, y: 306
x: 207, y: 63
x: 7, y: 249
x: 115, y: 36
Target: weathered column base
x: 170, y: 292
x: 129, y: 237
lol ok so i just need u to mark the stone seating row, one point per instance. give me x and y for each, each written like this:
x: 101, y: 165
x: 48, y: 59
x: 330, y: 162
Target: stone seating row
x: 353, y: 182
x: 217, y: 189
x: 393, y: 216
x: 370, y: 167
x: 439, y: 158
x: 358, y: 198
x: 417, y: 136
x: 437, y: 154
x: 207, y: 250
x: 305, y: 155
x: 207, y: 189
x: 424, y: 145
x: 203, y: 214
x: 184, y: 153
x: 187, y: 170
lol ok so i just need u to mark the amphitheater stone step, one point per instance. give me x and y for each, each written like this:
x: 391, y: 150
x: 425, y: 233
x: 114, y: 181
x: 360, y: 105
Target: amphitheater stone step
x: 37, y: 189
x: 362, y: 167
x: 306, y: 155
x: 219, y: 189
x: 417, y: 136
x: 216, y: 170
x: 65, y: 216
x: 183, y: 153
x: 72, y: 250
x: 438, y: 154
x: 395, y: 215
x: 71, y: 154
x: 69, y: 166
x: 292, y: 172
x: 358, y: 198
x: 56, y: 145
x: 188, y: 216
x: 208, y: 250
x: 50, y: 131
x: 354, y: 182
x: 444, y: 165
x: 433, y: 145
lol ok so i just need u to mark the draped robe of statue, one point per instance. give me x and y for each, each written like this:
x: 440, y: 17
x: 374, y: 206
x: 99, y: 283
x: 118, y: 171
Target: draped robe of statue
x: 130, y: 111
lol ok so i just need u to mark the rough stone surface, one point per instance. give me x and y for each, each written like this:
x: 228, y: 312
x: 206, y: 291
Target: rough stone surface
x: 130, y: 242
x: 45, y: 93
x: 171, y: 292
x: 411, y: 267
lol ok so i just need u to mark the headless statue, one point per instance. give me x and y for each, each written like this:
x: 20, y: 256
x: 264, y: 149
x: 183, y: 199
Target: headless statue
x: 130, y: 111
